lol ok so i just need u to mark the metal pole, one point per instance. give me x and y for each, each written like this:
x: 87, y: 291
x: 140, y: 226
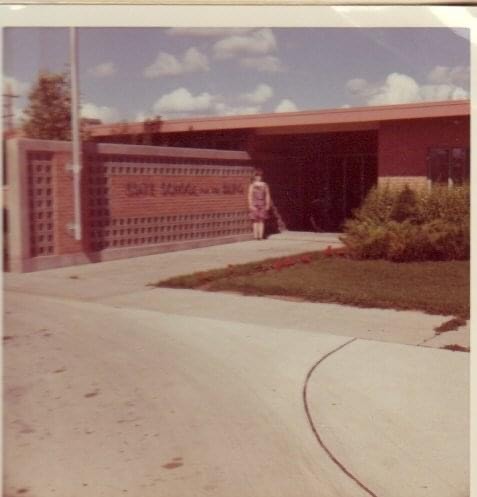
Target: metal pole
x: 75, y: 133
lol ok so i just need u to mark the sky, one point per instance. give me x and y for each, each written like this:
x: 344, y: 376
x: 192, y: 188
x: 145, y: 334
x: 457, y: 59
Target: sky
x: 129, y: 74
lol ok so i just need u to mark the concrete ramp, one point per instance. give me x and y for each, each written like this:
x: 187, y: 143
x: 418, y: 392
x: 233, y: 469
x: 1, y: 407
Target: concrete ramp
x: 395, y: 419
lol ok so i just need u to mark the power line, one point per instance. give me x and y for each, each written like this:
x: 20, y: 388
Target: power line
x: 8, y: 113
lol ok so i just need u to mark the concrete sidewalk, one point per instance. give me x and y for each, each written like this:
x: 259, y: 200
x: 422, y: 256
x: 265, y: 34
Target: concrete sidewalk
x: 101, y: 402
x: 91, y: 281
x: 125, y: 283
x: 115, y: 388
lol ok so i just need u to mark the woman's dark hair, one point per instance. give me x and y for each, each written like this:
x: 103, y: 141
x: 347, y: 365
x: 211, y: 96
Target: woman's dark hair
x: 258, y: 172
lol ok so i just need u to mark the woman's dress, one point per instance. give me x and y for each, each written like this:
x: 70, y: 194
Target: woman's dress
x: 259, y: 202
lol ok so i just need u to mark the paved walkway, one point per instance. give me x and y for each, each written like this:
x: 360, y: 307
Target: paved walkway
x: 124, y: 283
x: 113, y: 388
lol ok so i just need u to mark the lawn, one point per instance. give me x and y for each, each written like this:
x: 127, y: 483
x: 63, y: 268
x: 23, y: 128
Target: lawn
x: 433, y: 287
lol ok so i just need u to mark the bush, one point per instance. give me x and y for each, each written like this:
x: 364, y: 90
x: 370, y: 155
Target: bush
x: 411, y: 226
x: 405, y: 206
x: 377, y: 206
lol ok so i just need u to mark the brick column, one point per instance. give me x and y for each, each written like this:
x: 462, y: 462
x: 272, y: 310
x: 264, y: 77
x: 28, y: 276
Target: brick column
x: 65, y: 242
x: 18, y: 206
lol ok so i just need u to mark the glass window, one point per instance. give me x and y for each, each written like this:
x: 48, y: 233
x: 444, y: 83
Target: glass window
x: 449, y: 165
x: 459, y: 171
x: 439, y: 165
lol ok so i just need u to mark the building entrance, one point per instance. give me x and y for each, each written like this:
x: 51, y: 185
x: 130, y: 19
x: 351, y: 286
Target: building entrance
x: 337, y: 185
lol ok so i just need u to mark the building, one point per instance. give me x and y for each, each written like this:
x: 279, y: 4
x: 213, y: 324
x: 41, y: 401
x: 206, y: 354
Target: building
x: 320, y: 164
x: 168, y: 185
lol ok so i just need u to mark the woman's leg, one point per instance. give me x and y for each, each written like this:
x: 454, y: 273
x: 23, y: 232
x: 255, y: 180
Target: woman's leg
x: 261, y: 229
x: 256, y: 231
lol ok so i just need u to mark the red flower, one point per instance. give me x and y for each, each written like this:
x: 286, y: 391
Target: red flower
x: 328, y: 251
x: 278, y: 265
x: 305, y: 258
x: 335, y: 251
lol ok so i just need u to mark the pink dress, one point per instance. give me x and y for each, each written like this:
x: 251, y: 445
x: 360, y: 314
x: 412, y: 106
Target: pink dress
x: 259, y: 202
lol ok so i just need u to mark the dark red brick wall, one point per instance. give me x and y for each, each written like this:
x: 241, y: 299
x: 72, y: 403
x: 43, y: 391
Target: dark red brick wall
x: 148, y: 207
x: 403, y: 145
x: 135, y: 196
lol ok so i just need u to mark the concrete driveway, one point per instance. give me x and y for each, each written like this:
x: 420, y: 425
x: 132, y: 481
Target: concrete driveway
x: 112, y: 388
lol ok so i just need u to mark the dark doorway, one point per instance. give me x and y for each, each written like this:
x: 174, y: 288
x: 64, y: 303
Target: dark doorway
x: 337, y: 186
x: 317, y: 179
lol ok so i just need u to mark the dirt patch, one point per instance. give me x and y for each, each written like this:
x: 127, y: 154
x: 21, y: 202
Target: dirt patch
x: 91, y: 394
x: 456, y: 348
x: 173, y: 465
x: 450, y: 325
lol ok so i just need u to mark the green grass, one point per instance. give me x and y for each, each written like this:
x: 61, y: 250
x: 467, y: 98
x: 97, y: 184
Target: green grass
x: 433, y: 287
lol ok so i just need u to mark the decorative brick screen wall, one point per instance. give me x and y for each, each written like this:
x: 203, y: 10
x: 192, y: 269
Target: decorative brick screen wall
x: 41, y: 203
x: 136, y: 200
x: 144, y: 200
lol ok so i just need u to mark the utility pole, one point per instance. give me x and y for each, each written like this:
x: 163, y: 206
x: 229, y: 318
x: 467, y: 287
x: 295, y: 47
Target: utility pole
x: 75, y: 133
x: 8, y: 113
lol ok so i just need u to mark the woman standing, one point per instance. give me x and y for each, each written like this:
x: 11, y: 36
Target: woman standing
x: 259, y: 203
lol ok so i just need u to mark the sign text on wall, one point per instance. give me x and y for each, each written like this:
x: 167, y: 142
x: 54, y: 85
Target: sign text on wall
x: 176, y: 189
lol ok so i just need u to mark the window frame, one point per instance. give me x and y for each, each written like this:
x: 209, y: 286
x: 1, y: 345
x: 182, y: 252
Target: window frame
x: 431, y: 152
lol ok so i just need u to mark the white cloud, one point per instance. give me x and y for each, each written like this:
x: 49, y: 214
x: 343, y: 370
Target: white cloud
x: 260, y: 95
x: 207, y: 32
x: 141, y: 116
x: 398, y: 89
x: 181, y: 101
x: 223, y: 109
x: 168, y: 65
x: 103, y: 70
x: 267, y: 63
x: 17, y: 87
x: 241, y: 111
x: 105, y: 114
x: 260, y: 42
x: 449, y: 75
x: 401, y: 88
x: 443, y: 92
x: 18, y: 116
x: 286, y: 105
x: 357, y: 86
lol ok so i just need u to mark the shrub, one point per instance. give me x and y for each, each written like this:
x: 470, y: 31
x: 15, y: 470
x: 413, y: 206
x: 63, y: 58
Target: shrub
x: 377, y: 206
x: 405, y: 207
x: 452, y: 205
x: 366, y: 239
x: 408, y: 226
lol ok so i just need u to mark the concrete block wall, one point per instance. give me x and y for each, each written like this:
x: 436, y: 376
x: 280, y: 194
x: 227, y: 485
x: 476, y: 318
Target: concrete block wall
x: 399, y: 182
x: 136, y: 200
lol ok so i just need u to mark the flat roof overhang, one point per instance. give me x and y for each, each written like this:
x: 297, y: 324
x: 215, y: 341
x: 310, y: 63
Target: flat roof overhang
x: 344, y: 119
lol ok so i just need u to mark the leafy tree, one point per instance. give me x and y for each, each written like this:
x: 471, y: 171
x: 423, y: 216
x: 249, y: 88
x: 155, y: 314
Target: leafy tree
x: 48, y: 114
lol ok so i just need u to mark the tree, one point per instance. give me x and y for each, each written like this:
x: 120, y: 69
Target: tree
x: 48, y: 114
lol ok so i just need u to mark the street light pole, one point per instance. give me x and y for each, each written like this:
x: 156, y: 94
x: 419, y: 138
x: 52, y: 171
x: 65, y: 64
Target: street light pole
x: 75, y: 132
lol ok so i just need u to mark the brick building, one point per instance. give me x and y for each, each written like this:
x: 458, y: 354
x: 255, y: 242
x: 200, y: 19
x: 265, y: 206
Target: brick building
x: 320, y: 164
x: 166, y: 185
